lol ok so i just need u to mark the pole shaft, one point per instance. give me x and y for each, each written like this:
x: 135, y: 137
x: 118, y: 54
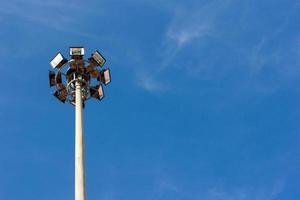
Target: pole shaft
x: 79, y: 148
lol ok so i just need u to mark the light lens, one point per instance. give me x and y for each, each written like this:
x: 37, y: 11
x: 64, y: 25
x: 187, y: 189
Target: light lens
x: 100, y: 92
x: 76, y: 51
x: 106, y: 76
x: 58, y: 61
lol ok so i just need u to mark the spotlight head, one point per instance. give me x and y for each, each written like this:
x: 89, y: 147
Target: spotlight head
x: 52, y: 81
x: 76, y: 52
x: 60, y: 96
x: 97, y: 58
x: 105, y: 77
x: 58, y: 78
x: 58, y: 61
x: 97, y: 92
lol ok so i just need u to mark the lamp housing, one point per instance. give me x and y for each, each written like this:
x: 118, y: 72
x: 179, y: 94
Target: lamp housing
x: 60, y: 96
x: 97, y: 92
x: 104, y: 77
x: 58, y: 61
x: 52, y: 81
x: 97, y: 58
x: 76, y: 51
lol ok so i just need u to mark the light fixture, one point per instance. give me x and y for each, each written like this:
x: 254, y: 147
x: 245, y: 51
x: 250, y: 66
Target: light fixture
x: 97, y: 58
x: 100, y: 92
x: 52, y: 81
x: 105, y: 77
x: 60, y: 96
x: 76, y: 51
x: 58, y: 61
x: 97, y: 92
x: 88, y: 73
x: 58, y: 78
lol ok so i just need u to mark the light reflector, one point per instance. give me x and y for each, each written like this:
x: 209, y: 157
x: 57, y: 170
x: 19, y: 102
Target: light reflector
x: 58, y: 61
x: 76, y: 51
x: 97, y: 58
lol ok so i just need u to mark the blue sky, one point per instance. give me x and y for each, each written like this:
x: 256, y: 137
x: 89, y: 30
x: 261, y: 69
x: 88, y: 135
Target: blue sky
x: 203, y: 104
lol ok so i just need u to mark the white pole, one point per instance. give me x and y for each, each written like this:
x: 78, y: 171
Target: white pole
x: 79, y: 148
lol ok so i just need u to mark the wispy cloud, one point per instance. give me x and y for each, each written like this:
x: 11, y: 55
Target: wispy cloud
x: 199, y: 32
x: 266, y: 192
x: 167, y: 184
x: 54, y: 15
x: 149, y: 82
x: 184, y: 36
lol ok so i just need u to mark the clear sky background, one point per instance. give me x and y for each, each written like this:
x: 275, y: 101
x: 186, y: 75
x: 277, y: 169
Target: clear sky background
x: 204, y: 102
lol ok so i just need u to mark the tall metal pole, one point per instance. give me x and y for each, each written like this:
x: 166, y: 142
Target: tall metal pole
x: 89, y: 77
x: 79, y: 148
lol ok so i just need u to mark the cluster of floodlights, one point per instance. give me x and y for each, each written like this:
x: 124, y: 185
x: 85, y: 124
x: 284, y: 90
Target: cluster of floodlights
x: 88, y: 73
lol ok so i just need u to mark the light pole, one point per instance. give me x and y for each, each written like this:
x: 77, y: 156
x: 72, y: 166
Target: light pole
x: 77, y: 80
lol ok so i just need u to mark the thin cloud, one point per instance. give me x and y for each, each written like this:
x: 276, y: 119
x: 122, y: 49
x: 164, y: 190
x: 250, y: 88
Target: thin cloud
x: 200, y: 29
x: 150, y: 83
x: 200, y: 35
x: 184, y: 36
x: 247, y: 193
x: 53, y: 15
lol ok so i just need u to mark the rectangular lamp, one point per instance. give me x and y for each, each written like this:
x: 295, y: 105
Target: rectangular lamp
x: 97, y: 58
x: 58, y: 61
x: 76, y: 51
x: 106, y: 76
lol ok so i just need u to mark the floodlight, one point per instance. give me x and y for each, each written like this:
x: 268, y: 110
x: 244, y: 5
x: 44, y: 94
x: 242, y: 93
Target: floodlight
x: 52, y: 81
x: 93, y: 92
x: 63, y: 91
x: 87, y: 73
x: 76, y: 51
x: 60, y: 96
x: 58, y: 61
x: 97, y: 58
x: 104, y: 76
x: 100, y: 92
x: 61, y: 86
x: 58, y: 78
x: 97, y: 92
